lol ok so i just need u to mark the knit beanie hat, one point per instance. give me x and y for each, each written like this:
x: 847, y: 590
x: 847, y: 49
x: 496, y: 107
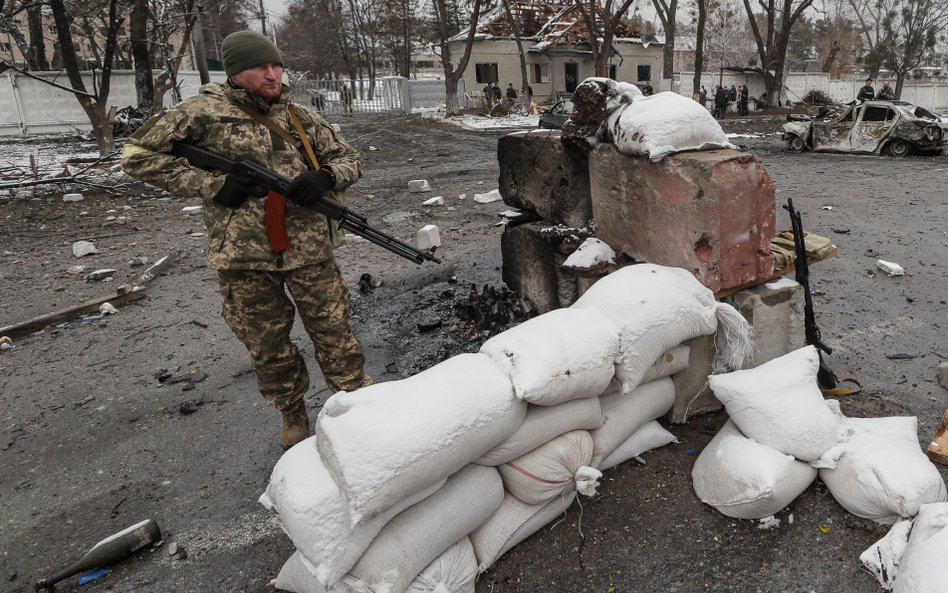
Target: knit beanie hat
x: 246, y: 49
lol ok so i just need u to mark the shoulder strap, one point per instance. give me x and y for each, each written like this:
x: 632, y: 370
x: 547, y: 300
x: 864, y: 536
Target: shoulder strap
x: 282, y: 132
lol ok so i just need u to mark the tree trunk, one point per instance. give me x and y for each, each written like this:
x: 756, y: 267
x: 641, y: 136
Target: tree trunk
x: 525, y: 84
x: 668, y: 52
x: 37, y: 56
x: 699, y: 46
x: 451, y: 77
x: 830, y: 60
x: 899, y: 82
x: 141, y: 54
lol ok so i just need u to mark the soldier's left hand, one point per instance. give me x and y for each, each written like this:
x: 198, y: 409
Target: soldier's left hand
x: 308, y: 187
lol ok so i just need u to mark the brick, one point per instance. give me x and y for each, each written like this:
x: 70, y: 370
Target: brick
x: 539, y: 174
x: 710, y: 212
x: 533, y: 255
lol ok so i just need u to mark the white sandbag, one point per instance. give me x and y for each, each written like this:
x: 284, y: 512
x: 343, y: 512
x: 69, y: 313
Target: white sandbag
x: 542, y: 424
x: 883, y: 558
x: 745, y: 479
x: 780, y: 404
x: 298, y: 576
x: 512, y: 523
x: 651, y: 436
x: 556, y: 468
x: 454, y: 571
x: 657, y: 308
x: 669, y: 363
x: 625, y: 414
x: 559, y: 356
x: 388, y: 441
x: 662, y: 124
x: 923, y: 568
x: 413, y: 539
x: 882, y: 473
x: 315, y: 515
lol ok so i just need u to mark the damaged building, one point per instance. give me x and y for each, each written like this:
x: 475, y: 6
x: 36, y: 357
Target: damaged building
x: 556, y: 45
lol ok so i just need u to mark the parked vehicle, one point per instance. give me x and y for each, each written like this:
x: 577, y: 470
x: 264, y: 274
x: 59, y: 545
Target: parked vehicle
x: 557, y: 115
x: 894, y: 127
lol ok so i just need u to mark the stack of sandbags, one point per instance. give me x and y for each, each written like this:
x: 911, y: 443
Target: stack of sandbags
x: 911, y: 557
x: 781, y: 430
x: 479, y: 452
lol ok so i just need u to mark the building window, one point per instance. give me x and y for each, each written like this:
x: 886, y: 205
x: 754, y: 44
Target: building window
x: 644, y: 72
x: 539, y: 74
x: 486, y: 72
x: 424, y: 64
x: 613, y: 71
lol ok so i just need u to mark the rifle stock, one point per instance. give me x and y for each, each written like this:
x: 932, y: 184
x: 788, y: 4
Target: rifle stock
x: 276, y: 203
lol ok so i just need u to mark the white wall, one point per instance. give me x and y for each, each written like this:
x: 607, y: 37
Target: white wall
x: 28, y: 106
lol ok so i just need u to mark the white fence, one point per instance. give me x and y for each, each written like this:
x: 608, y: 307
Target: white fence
x: 28, y: 106
x: 797, y: 84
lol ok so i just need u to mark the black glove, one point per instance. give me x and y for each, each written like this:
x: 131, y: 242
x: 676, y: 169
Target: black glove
x: 236, y: 190
x: 308, y: 187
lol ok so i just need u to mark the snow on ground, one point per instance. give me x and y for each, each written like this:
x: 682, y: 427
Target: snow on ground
x: 482, y: 122
x: 50, y: 152
x: 751, y: 135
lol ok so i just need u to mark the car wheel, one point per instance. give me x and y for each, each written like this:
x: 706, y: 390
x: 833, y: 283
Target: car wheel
x: 796, y: 144
x: 898, y: 148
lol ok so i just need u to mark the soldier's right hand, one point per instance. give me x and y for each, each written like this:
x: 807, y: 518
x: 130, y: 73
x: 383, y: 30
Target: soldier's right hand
x: 236, y: 190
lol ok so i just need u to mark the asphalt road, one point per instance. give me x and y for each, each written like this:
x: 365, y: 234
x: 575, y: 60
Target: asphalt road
x: 93, y: 442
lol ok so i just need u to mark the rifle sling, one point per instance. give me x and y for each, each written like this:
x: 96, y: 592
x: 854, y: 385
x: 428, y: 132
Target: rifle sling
x: 267, y: 122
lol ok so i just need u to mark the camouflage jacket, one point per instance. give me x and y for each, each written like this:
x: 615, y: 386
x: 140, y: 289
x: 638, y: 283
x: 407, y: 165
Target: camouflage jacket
x: 237, y: 237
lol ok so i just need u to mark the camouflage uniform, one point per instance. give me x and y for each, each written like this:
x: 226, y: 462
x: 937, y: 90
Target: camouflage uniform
x: 252, y: 278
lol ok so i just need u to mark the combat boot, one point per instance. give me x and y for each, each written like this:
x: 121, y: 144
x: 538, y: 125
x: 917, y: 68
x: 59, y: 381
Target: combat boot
x: 295, y: 425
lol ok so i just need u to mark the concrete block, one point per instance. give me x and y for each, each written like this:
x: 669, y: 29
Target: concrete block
x: 533, y: 255
x: 428, y: 237
x: 775, y: 311
x: 710, y: 212
x: 692, y: 394
x: 540, y: 174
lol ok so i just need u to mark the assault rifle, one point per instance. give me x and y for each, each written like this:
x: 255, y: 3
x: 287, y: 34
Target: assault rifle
x: 825, y: 376
x: 277, y: 185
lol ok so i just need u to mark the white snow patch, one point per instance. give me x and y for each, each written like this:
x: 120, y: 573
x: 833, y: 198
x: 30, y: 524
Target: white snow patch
x: 591, y: 253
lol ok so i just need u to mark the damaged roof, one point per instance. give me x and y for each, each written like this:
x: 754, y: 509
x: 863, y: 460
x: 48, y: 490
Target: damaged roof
x: 552, y: 24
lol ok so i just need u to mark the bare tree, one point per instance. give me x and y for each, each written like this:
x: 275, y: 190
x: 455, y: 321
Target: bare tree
x: 602, y: 22
x: 779, y: 17
x: 141, y: 53
x: 725, y: 28
x: 94, y: 104
x: 702, y: 8
x: 667, y: 11
x: 901, y: 34
x: 453, y: 75
x: 36, y: 58
x: 515, y: 28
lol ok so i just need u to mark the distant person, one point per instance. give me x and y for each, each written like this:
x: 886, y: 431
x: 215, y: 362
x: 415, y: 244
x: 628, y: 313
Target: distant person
x: 511, y: 92
x: 742, y: 97
x: 866, y: 93
x: 720, y: 102
x: 497, y: 92
x: 488, y: 93
x: 529, y: 93
x: 347, y: 98
x: 886, y: 93
x: 647, y: 90
x: 732, y: 94
x: 316, y: 101
x: 703, y: 96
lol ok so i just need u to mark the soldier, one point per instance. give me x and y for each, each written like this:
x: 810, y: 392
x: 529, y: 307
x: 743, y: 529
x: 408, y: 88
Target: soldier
x: 234, y: 120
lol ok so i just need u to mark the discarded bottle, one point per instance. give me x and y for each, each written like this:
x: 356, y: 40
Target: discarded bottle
x: 108, y: 551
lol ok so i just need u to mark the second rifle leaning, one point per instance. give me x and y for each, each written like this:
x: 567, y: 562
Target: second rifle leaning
x: 351, y: 221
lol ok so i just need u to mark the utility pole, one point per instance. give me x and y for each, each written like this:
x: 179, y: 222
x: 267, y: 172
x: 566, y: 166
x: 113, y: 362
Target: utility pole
x: 263, y: 19
x: 197, y: 38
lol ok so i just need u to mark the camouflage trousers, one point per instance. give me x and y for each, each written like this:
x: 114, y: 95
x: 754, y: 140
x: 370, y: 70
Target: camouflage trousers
x: 260, y: 312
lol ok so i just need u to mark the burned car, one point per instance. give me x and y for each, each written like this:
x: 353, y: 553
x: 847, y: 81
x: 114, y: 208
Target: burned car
x: 894, y: 127
x: 557, y: 115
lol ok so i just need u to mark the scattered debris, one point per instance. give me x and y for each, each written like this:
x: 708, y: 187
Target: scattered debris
x: 830, y: 208
x: 901, y: 356
x: 87, y: 578
x: 373, y: 148
x: 942, y: 374
x: 192, y: 210
x: 100, y: 275
x: 418, y: 185
x: 368, y: 284
x: 5, y: 343
x: 436, y: 201
x: 768, y: 523
x: 75, y: 270
x: 462, y: 196
x: 391, y: 368
x: 107, y: 309
x: 840, y: 231
x: 172, y: 548
x: 429, y: 237
x: 72, y: 198
x: 139, y: 261
x: 193, y: 375
x: 938, y: 449
x: 429, y: 325
x: 83, y: 248
x: 199, y: 323
x: 491, y: 310
x: 491, y: 196
x: 890, y: 268
x: 823, y: 528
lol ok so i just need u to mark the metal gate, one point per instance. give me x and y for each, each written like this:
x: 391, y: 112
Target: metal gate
x: 342, y: 96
